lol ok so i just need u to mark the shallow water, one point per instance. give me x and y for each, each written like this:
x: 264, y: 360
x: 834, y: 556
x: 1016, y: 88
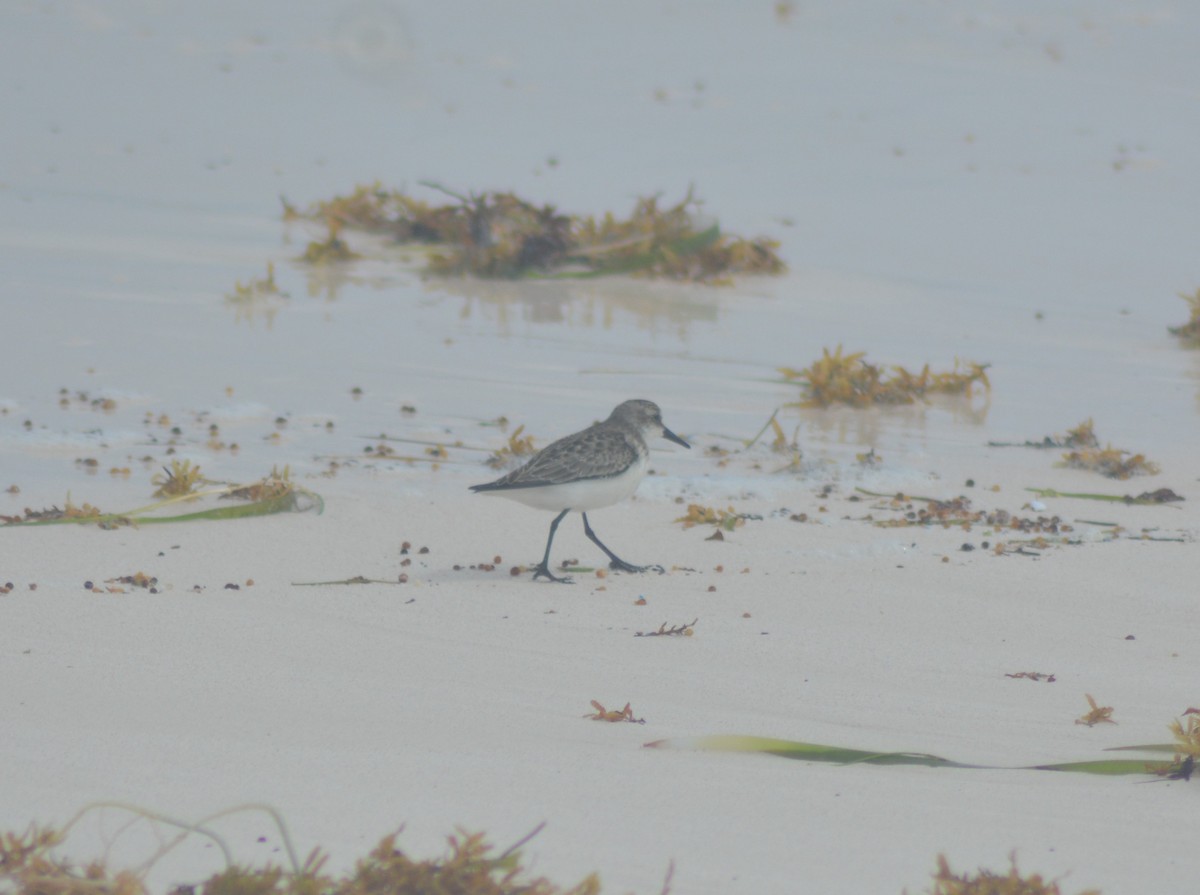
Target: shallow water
x: 1004, y: 186
x: 926, y: 214
x: 130, y: 304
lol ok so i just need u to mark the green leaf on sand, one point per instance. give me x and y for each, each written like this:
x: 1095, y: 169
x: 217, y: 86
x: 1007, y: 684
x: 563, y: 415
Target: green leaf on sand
x: 840, y: 755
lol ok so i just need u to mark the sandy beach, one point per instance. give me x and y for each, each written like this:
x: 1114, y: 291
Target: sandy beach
x: 1003, y: 184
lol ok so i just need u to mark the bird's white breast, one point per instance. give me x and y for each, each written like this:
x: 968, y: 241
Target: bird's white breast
x: 581, y: 495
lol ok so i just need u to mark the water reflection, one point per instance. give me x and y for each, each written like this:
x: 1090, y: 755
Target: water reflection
x: 870, y: 426
x: 650, y: 307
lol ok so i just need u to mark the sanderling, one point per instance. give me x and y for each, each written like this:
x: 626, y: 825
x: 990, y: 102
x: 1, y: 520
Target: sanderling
x: 595, y: 468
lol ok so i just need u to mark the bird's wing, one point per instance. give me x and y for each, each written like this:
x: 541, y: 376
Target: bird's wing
x: 594, y: 453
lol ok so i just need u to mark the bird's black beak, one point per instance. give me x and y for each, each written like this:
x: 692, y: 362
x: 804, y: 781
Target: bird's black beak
x: 671, y: 436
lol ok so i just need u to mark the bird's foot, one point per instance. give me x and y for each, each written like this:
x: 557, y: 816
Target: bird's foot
x: 543, y: 571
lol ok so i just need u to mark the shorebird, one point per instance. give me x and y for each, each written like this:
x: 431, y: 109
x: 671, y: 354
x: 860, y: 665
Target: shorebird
x: 595, y: 468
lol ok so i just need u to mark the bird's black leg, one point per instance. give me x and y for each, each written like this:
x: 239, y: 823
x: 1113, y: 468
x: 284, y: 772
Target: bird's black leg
x: 543, y: 568
x: 615, y: 561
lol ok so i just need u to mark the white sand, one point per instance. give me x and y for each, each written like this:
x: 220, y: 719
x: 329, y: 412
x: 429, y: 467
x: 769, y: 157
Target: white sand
x: 949, y: 173
x: 457, y: 697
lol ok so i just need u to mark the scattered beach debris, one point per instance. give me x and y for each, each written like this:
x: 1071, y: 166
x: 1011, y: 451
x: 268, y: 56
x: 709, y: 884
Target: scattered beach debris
x: 848, y: 379
x: 69, y: 513
x: 684, y: 630
x: 137, y: 579
x: 356, y: 579
x: 1099, y: 714
x: 1082, y: 436
x: 780, y: 444
x: 958, y: 511
x: 499, y: 235
x: 869, y: 460
x: 1085, y: 453
x: 1181, y: 769
x: 433, y: 452
x: 1048, y: 530
x: 482, y: 566
x: 83, y: 400
x: 1162, y: 495
x: 603, y: 714
x: 1033, y: 676
x: 275, y: 493
x: 725, y: 520
x: 1146, y: 498
x: 269, y: 487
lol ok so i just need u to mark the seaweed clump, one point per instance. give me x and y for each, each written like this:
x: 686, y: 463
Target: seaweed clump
x: 1110, y: 461
x: 330, y: 251
x: 69, y: 513
x: 259, y: 296
x: 985, y: 882
x: 1096, y: 714
x: 1187, y: 747
x: 1085, y: 453
x: 499, y: 235
x: 28, y: 866
x: 1187, y: 738
x: 724, y: 520
x: 839, y: 378
x: 518, y: 447
x: 182, y: 478
x: 1190, y: 331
